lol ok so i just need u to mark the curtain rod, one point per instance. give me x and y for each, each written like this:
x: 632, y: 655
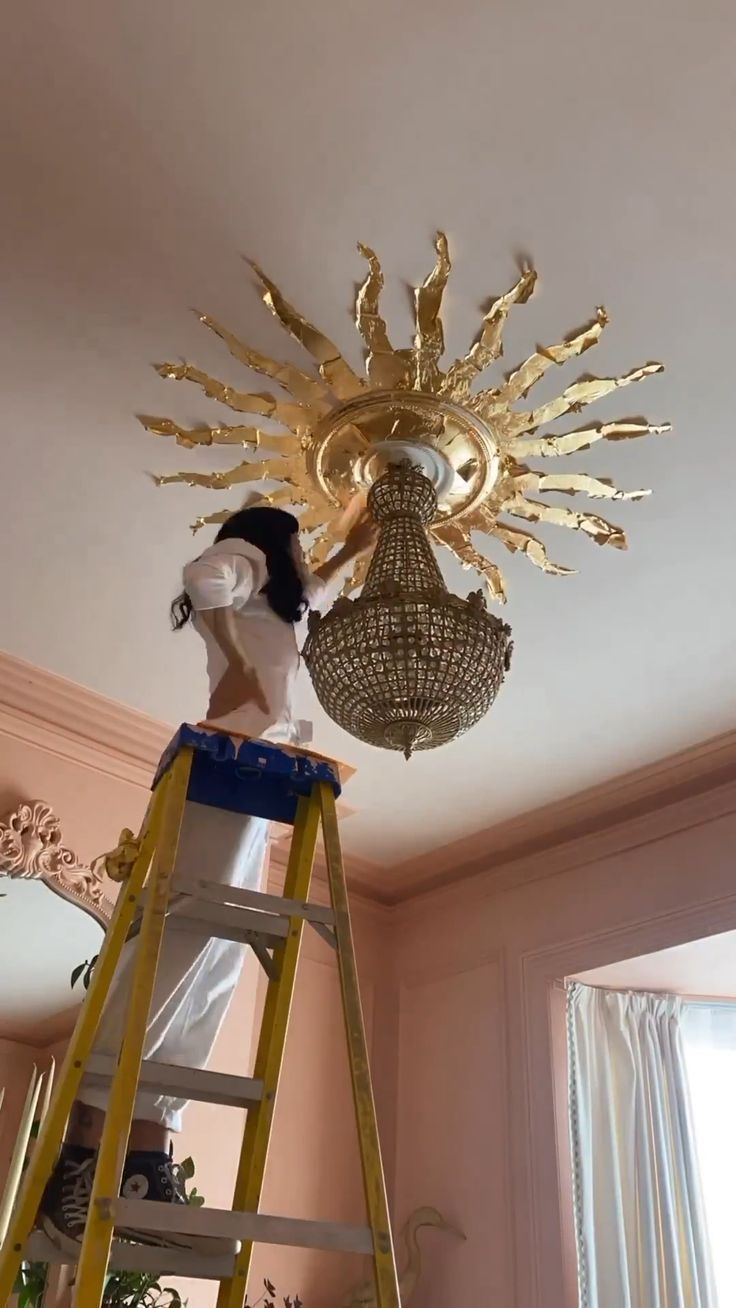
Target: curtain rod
x: 706, y: 1001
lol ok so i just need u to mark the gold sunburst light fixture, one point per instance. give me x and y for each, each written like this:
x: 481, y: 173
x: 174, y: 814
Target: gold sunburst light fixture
x: 331, y: 432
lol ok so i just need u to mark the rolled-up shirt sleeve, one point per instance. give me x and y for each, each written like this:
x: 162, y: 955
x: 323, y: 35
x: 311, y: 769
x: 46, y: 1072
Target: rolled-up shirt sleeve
x: 322, y: 594
x: 212, y: 583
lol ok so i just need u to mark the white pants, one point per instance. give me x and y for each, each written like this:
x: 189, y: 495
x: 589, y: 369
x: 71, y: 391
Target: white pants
x: 196, y: 976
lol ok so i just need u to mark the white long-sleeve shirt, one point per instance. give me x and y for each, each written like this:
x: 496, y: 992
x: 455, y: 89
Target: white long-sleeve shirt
x: 233, y: 572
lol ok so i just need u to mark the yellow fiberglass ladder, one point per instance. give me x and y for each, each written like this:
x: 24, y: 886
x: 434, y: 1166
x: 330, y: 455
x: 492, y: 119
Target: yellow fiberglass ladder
x: 263, y: 780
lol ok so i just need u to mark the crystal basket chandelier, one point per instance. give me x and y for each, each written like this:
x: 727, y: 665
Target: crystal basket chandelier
x: 407, y: 665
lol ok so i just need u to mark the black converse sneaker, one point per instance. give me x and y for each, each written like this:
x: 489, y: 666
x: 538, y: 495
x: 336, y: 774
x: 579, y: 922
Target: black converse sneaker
x: 147, y: 1175
x: 151, y: 1175
x: 65, y: 1203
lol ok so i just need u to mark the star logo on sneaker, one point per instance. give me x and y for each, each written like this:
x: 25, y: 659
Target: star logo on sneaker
x: 135, y: 1187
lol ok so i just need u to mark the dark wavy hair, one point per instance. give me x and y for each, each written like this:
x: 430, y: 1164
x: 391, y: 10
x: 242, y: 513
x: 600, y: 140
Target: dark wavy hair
x: 270, y: 530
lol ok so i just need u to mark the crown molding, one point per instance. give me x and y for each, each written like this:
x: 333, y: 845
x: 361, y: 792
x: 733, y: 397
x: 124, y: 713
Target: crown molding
x: 693, y: 785
x: 75, y: 723
x: 543, y: 841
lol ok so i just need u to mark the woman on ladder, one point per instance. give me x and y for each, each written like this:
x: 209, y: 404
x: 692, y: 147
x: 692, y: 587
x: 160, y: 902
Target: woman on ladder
x: 246, y: 595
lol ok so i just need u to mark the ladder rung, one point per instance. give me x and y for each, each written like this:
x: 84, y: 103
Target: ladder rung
x: 184, y: 1082
x: 226, y: 921
x: 216, y: 893
x: 145, y: 1215
x: 125, y: 1257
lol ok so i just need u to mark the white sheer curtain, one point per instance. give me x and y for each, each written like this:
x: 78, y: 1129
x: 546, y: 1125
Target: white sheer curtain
x: 709, y: 1040
x: 641, y: 1231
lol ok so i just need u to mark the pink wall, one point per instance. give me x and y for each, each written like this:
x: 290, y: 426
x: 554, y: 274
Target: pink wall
x: 481, y: 1070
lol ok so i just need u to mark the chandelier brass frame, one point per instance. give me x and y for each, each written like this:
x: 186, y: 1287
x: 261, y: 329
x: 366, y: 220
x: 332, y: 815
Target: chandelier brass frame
x: 332, y: 432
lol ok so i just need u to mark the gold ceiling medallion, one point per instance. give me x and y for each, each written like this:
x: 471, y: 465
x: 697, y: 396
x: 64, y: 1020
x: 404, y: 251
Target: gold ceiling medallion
x: 335, y: 431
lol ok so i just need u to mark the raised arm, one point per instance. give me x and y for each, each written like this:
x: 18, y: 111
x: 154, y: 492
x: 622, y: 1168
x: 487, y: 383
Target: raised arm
x: 360, y: 539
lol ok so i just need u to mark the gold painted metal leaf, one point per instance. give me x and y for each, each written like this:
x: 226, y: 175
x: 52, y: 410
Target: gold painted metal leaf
x: 189, y: 437
x: 338, y: 374
x: 309, y: 390
x: 550, y: 447
x: 288, y: 470
x: 386, y: 367
x: 212, y: 519
x: 429, y: 341
x: 284, y: 495
x: 523, y: 542
x: 533, y: 369
x: 573, y: 483
x: 599, y: 530
x: 318, y: 515
x: 576, y: 397
x: 332, y: 420
x: 296, y: 417
x: 456, y: 539
x: 489, y: 345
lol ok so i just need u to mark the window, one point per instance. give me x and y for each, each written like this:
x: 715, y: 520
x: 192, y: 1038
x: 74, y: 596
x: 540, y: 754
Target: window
x: 709, y: 1036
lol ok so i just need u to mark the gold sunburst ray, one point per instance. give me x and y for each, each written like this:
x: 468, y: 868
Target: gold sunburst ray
x: 276, y: 469
x: 457, y: 539
x: 283, y: 496
x: 599, y: 529
x: 521, y: 380
x: 571, y: 483
x: 334, y: 370
x: 517, y: 541
x: 572, y: 442
x: 429, y: 339
x: 489, y: 346
x: 189, y: 437
x: 386, y: 368
x: 295, y: 418
x: 337, y: 427
x: 310, y: 390
x: 585, y: 391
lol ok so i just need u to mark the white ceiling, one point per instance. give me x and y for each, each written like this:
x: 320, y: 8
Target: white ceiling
x: 150, y: 146
x: 699, y: 967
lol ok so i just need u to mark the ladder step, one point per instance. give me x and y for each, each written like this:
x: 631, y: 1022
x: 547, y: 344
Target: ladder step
x: 125, y: 1257
x: 182, y: 1082
x: 214, y: 892
x: 144, y: 1215
x: 226, y: 921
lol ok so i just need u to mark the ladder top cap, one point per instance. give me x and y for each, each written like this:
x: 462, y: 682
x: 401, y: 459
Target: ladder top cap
x: 344, y: 770
x: 254, y: 777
